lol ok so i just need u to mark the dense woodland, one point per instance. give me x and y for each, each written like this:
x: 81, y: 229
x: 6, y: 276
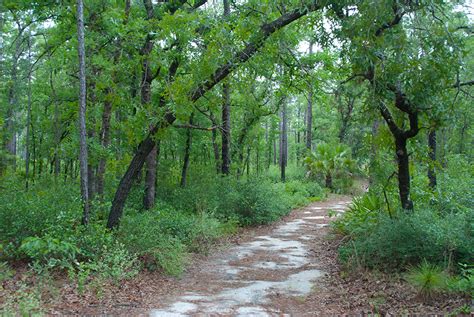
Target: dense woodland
x: 137, y: 132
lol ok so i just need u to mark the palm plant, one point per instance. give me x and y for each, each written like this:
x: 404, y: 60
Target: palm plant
x: 329, y: 160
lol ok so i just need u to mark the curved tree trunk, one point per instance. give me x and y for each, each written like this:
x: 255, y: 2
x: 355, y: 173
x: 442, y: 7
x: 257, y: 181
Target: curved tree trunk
x: 125, y: 185
x: 187, y: 151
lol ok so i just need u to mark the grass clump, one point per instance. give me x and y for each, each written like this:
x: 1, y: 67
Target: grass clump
x: 429, y: 279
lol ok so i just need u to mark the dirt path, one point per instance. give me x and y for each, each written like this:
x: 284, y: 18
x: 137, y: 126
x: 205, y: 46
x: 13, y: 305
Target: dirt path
x: 267, y: 275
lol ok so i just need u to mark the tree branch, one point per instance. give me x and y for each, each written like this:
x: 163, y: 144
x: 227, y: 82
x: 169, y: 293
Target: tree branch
x: 461, y: 84
x: 250, y: 49
x: 191, y: 126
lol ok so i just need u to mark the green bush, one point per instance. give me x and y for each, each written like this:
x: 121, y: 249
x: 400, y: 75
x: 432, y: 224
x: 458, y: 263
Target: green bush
x: 408, y: 239
x: 250, y: 202
x: 42, y: 209
x: 464, y: 282
x: 50, y: 251
x: 162, y: 238
x: 115, y: 264
x: 5, y: 271
x: 293, y: 172
x: 362, y: 213
x: 253, y: 202
x: 141, y: 234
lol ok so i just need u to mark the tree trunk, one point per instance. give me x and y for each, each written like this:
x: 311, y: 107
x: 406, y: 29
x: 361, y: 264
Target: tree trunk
x: 105, y: 142
x: 187, y: 151
x: 125, y: 185
x: 268, y: 145
x: 226, y: 130
x: 432, y: 155
x: 248, y: 161
x: 82, y: 112
x: 150, y: 179
x: 107, y: 114
x: 147, y: 79
x: 274, y: 151
x: 215, y: 146
x: 28, y: 117
x: 309, y: 111
x: 56, y: 125
x: 283, y: 142
x: 403, y: 173
x: 10, y: 142
x: 91, y: 180
x: 328, y: 180
x: 225, y: 167
x: 257, y: 157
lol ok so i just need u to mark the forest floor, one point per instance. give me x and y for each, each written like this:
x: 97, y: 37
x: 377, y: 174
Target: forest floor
x: 289, y: 267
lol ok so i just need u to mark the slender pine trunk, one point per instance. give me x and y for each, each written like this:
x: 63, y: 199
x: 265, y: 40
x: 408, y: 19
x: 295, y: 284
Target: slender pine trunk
x: 82, y: 113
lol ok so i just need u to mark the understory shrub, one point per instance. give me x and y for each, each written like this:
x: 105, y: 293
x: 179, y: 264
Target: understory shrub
x: 362, y: 213
x: 250, y: 202
x: 293, y: 172
x: 439, y: 230
x: 115, y: 264
x: 35, y: 212
x: 464, y: 282
x: 256, y: 202
x: 163, y: 238
x: 408, y: 239
x: 50, y: 251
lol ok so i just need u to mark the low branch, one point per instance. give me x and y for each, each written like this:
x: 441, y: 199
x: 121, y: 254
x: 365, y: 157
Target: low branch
x: 190, y: 126
x: 352, y: 77
x: 387, y: 115
x: 461, y: 84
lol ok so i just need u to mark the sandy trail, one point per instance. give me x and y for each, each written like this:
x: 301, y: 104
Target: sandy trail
x: 260, y: 276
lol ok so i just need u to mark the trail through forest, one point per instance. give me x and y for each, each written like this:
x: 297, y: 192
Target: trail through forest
x: 268, y: 275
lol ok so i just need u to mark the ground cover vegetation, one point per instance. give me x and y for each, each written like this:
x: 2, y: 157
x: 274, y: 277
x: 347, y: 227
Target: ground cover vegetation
x: 136, y: 133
